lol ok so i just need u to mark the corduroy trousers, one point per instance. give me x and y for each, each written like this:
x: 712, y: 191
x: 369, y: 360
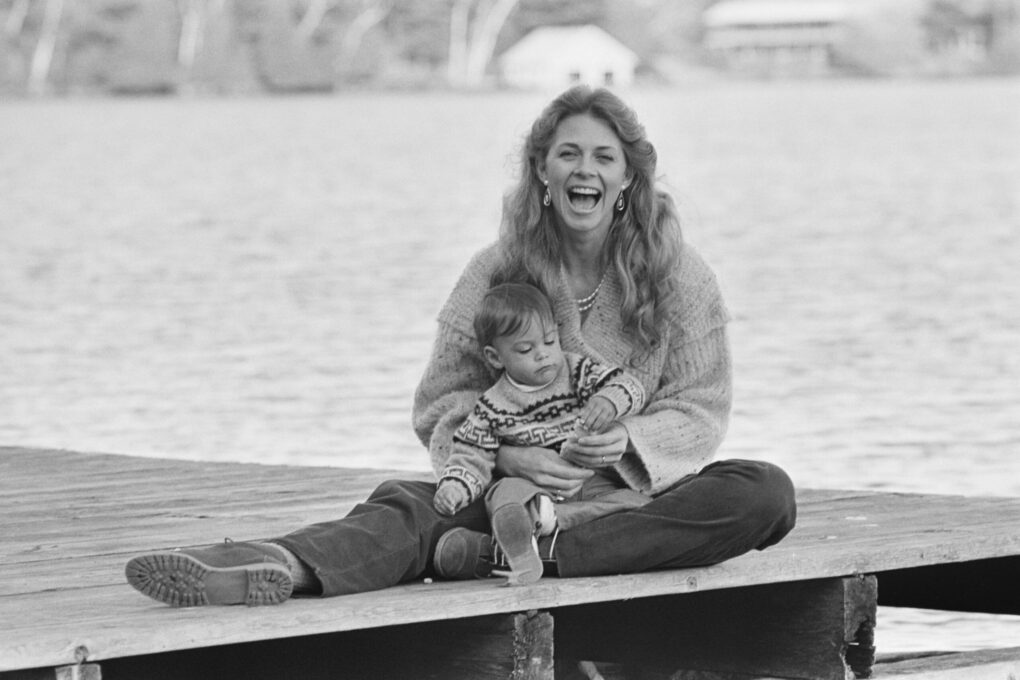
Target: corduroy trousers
x: 730, y: 507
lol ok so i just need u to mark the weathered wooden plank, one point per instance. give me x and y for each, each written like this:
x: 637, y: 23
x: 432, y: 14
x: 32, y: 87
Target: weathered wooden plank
x: 987, y: 664
x: 915, y: 519
x: 114, y: 622
x: 63, y: 509
x: 517, y: 646
x: 62, y: 584
x: 46, y: 477
x: 756, y: 568
x: 815, y: 630
x: 906, y: 519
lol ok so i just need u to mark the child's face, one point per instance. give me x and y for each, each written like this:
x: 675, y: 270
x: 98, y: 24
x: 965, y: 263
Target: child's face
x: 532, y: 356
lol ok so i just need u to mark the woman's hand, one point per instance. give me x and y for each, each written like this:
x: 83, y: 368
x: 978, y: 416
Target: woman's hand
x: 542, y: 467
x: 597, y: 450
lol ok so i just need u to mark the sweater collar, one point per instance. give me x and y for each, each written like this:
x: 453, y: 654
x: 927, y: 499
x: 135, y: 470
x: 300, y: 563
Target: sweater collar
x: 600, y: 326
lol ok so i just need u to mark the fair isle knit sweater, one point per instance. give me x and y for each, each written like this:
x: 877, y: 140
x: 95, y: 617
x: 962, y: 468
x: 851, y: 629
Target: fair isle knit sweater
x: 544, y: 417
x: 687, y: 377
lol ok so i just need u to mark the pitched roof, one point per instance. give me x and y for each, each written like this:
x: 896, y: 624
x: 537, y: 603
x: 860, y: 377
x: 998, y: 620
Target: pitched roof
x: 554, y: 39
x: 766, y: 12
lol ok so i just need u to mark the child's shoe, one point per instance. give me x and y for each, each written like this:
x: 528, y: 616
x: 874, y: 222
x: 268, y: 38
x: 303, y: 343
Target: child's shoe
x: 513, y: 528
x: 543, y: 514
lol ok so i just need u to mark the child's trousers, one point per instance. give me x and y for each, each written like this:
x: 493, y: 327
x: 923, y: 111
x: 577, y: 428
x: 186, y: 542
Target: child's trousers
x: 599, y: 496
x: 727, y: 509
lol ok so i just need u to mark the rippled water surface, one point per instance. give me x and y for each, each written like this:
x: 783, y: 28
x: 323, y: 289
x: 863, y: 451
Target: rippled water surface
x: 257, y: 280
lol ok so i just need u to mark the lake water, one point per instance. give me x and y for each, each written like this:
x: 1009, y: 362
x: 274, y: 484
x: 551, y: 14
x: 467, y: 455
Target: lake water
x: 257, y: 279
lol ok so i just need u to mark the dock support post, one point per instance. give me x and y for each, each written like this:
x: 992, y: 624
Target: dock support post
x: 78, y: 671
x: 818, y: 630
x: 515, y: 646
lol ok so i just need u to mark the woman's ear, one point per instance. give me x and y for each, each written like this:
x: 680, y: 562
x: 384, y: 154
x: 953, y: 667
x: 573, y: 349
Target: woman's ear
x: 492, y: 356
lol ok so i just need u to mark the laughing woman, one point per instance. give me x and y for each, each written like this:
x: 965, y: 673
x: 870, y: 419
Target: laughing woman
x: 587, y: 225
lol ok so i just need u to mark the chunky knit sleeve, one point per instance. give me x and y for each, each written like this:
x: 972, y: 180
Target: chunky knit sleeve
x: 473, y: 457
x: 456, y: 374
x: 625, y: 392
x: 687, y: 415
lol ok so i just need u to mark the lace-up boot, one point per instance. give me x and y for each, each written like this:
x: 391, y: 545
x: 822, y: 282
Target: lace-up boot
x: 227, y: 573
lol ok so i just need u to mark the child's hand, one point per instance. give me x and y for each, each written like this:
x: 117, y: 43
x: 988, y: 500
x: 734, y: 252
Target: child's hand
x: 450, y: 497
x: 597, y: 415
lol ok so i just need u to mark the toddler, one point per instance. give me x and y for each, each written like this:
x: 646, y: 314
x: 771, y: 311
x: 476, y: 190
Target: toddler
x: 542, y: 397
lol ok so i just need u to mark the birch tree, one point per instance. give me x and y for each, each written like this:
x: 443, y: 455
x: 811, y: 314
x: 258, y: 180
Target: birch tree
x: 195, y: 19
x: 14, y: 22
x: 474, y: 28
x: 369, y: 14
x: 364, y: 15
x: 312, y: 18
x: 45, y: 47
x: 192, y: 13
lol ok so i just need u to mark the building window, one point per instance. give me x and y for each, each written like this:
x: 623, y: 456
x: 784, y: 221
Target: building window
x: 575, y: 77
x: 607, y: 79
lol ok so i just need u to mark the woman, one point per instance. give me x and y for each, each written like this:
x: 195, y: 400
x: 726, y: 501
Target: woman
x: 587, y: 225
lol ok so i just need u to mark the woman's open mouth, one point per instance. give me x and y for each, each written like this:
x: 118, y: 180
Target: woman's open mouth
x: 583, y: 199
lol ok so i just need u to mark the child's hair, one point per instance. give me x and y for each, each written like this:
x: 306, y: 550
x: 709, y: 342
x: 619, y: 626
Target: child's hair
x: 508, y: 308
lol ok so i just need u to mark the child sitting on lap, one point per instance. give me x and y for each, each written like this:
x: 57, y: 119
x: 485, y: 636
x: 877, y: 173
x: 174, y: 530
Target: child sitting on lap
x: 543, y: 397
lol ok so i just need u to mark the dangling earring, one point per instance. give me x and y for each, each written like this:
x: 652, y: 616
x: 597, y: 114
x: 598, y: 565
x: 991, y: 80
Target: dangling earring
x: 620, y: 205
x: 547, y: 198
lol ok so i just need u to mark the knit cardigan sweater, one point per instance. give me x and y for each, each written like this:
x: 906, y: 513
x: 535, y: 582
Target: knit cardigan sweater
x: 545, y: 417
x: 687, y: 376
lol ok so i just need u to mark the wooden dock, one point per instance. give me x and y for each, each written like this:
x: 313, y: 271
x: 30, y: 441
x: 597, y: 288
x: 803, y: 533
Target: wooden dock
x: 802, y: 609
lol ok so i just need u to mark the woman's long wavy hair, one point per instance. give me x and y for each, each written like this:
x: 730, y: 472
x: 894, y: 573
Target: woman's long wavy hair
x: 644, y: 241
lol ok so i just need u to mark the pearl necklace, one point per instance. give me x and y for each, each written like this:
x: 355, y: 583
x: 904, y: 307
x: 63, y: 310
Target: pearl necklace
x: 586, y: 303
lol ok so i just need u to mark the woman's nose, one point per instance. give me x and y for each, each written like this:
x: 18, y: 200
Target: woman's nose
x: 585, y: 166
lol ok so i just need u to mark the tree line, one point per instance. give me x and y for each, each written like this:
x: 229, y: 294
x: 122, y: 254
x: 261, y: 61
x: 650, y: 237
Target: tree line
x: 224, y: 46
x: 59, y: 46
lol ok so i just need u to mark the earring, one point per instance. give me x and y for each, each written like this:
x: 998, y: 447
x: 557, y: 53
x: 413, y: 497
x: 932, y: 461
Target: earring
x: 620, y: 204
x: 547, y: 198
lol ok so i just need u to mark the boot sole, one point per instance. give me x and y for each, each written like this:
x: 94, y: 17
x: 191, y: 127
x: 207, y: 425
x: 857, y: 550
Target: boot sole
x: 180, y: 580
x: 442, y: 563
x: 514, y: 530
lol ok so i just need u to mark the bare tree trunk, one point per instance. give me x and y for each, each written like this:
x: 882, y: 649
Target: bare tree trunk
x: 42, y: 57
x: 190, y: 42
x: 372, y: 12
x: 312, y: 18
x: 486, y: 29
x: 473, y: 38
x: 195, y: 19
x: 456, y: 65
x: 14, y: 24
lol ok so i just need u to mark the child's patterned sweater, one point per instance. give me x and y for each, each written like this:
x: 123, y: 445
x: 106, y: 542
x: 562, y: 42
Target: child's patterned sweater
x: 505, y: 414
